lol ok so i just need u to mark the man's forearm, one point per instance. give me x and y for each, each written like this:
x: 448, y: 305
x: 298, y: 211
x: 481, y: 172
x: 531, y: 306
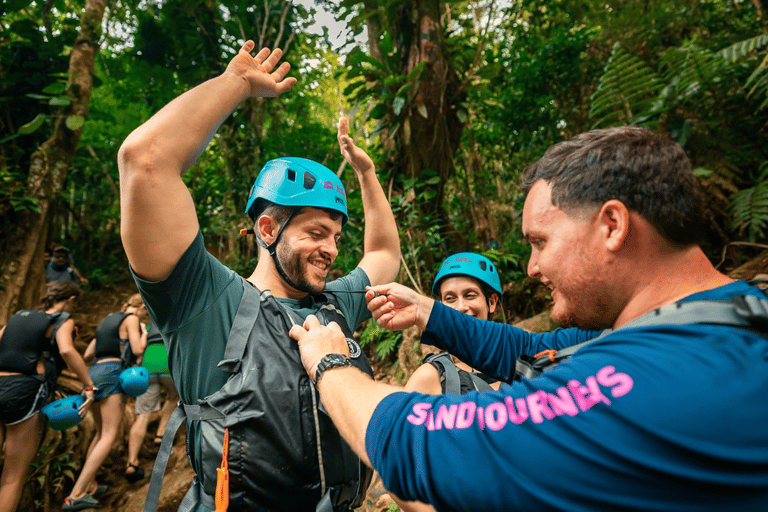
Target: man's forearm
x: 381, y: 236
x: 350, y: 397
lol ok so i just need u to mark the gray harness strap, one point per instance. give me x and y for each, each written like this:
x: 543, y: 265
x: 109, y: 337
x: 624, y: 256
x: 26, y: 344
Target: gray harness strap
x: 158, y: 471
x: 233, y: 353
x: 450, y: 373
x: 245, y: 319
x: 743, y: 311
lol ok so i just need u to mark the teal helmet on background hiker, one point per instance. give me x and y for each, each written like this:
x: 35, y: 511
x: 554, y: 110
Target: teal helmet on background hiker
x: 295, y: 183
x: 298, y: 182
x: 468, y: 264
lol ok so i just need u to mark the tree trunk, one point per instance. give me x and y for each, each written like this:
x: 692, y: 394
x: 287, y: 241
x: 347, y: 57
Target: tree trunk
x: 22, y: 267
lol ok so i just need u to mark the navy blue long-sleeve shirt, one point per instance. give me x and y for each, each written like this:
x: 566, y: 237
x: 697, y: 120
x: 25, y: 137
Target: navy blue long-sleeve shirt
x: 650, y: 418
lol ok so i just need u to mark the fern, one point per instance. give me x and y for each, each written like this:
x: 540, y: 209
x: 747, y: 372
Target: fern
x: 626, y: 91
x: 743, y: 48
x: 386, y: 341
x: 749, y: 208
x: 757, y: 83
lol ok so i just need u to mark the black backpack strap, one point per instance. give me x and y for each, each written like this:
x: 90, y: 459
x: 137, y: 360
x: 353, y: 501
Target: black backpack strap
x: 479, y: 383
x: 53, y: 361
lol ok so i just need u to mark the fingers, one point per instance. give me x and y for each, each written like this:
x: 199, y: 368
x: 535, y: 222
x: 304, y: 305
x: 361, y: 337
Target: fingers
x: 262, y: 56
x: 311, y: 321
x: 297, y: 332
x: 270, y: 60
x: 248, y: 46
x: 343, y: 127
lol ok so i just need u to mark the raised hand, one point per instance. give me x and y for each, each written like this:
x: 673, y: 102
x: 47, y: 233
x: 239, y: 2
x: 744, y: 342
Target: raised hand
x: 398, y: 307
x: 356, y: 157
x: 263, y: 77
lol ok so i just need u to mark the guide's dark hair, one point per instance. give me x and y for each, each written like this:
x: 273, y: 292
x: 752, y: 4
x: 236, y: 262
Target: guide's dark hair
x: 649, y: 173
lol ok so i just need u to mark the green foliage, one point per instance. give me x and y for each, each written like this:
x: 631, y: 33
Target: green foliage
x: 385, y: 341
x: 749, y: 208
x: 14, y: 192
x: 625, y: 91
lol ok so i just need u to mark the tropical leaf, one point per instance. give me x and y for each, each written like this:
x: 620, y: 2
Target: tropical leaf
x: 626, y: 90
x: 743, y: 48
x: 749, y: 208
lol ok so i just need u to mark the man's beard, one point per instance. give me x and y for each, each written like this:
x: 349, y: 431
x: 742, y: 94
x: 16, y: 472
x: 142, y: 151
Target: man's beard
x: 296, y: 269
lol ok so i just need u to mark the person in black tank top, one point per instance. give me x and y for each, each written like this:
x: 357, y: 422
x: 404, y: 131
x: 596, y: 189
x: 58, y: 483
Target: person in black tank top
x: 116, y: 331
x: 24, y: 385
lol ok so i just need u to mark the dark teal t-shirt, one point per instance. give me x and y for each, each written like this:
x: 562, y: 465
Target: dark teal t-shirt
x: 195, y: 305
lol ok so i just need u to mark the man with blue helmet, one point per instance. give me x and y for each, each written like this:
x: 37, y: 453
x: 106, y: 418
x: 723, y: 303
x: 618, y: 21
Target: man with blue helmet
x: 260, y: 437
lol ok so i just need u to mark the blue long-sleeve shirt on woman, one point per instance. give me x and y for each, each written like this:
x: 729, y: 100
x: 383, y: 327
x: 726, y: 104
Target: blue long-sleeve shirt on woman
x: 649, y: 418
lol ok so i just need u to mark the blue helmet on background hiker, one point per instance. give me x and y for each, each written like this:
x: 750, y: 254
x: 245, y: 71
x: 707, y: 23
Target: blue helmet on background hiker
x: 298, y: 182
x: 295, y: 183
x: 468, y: 264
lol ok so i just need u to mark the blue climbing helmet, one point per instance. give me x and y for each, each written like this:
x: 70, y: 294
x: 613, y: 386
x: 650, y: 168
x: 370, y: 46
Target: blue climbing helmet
x: 63, y: 413
x: 295, y: 182
x: 298, y: 182
x: 468, y: 264
x: 134, y: 381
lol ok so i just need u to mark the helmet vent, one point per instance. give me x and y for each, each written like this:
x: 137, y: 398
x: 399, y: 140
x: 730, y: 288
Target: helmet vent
x: 482, y: 265
x: 309, y: 180
x: 291, y: 175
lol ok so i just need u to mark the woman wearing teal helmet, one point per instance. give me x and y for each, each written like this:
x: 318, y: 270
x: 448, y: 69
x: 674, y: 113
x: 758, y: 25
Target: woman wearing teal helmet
x: 467, y: 282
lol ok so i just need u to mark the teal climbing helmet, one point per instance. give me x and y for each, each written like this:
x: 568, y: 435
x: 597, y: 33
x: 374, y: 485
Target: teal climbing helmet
x: 292, y: 181
x: 468, y: 264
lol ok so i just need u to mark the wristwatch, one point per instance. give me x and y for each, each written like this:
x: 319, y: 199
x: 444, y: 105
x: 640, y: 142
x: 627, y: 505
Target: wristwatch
x: 330, y: 361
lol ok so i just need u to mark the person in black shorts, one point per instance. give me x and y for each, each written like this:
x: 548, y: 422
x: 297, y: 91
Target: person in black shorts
x: 119, y: 339
x: 34, y: 347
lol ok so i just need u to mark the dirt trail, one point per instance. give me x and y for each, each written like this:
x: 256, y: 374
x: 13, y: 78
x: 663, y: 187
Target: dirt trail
x: 121, y: 496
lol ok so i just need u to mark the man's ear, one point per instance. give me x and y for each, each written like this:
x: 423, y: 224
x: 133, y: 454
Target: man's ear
x: 266, y: 229
x: 614, y: 219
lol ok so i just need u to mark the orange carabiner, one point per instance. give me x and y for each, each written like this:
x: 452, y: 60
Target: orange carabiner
x: 222, y: 476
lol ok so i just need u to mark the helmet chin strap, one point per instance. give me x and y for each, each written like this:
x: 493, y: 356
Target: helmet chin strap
x: 272, y: 250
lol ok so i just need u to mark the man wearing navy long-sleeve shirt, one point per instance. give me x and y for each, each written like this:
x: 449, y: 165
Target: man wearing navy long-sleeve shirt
x: 657, y: 417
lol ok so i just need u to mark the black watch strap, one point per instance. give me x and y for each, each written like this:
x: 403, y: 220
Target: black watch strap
x: 331, y: 361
